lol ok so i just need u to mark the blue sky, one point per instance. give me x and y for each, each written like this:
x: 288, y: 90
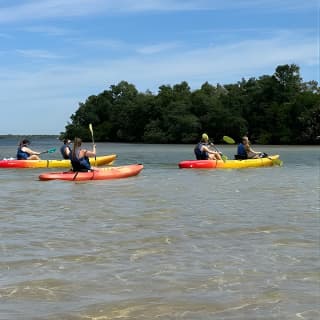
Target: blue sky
x: 55, y: 53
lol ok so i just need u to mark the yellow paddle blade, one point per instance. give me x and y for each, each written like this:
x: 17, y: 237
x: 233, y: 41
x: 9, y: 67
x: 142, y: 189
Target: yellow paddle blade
x: 90, y: 128
x: 228, y: 140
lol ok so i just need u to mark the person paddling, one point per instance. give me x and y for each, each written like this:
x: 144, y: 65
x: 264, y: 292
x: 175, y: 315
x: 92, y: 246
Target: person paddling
x: 66, y: 149
x: 80, y: 157
x: 245, y: 151
x: 25, y: 153
x: 203, y: 152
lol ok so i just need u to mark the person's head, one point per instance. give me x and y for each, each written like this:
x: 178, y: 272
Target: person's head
x: 76, y: 144
x: 66, y: 141
x: 25, y: 142
x: 245, y: 140
x: 204, y: 138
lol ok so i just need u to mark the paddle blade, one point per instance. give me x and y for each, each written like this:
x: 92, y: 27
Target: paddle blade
x: 52, y: 150
x: 90, y: 128
x: 277, y: 162
x: 228, y: 140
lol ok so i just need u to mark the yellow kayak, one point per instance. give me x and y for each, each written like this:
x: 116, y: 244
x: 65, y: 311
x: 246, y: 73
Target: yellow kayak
x: 15, y: 164
x: 230, y: 164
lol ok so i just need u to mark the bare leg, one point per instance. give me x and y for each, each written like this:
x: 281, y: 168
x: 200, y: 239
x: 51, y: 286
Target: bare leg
x: 33, y: 157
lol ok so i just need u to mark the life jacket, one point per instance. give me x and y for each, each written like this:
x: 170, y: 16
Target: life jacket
x: 80, y: 164
x: 241, y: 151
x: 200, y: 154
x: 22, y: 155
x: 63, y: 151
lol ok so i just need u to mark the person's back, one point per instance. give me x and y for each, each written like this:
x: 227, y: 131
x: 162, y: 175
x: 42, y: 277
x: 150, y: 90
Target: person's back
x: 65, y: 149
x: 245, y: 148
x: 79, y: 157
x: 241, y: 151
x: 79, y: 163
x: 21, y: 154
x: 202, y: 151
x: 199, y: 152
x: 25, y: 153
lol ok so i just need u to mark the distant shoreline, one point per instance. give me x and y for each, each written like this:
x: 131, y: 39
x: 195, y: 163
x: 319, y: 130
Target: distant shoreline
x: 2, y: 136
x: 57, y: 137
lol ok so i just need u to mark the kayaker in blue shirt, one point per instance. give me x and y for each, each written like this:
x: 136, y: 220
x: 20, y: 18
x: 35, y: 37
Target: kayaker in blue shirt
x: 66, y: 149
x: 241, y: 151
x: 25, y: 153
x: 80, y: 157
x: 203, y: 152
x: 246, y: 152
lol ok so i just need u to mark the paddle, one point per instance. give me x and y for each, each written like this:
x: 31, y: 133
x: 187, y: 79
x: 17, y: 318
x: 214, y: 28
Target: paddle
x: 223, y: 157
x: 278, y: 162
x: 229, y: 140
x: 52, y: 150
x: 91, y: 130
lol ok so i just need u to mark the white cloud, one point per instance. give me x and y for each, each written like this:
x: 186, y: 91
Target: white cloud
x: 58, y: 89
x: 48, y: 30
x: 157, y: 48
x: 5, y: 36
x: 38, y: 54
x: 102, y: 43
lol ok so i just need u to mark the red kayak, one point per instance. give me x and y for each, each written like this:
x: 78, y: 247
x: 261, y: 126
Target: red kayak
x: 99, y: 174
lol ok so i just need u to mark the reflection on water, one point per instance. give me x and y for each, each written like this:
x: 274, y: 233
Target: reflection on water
x: 167, y: 244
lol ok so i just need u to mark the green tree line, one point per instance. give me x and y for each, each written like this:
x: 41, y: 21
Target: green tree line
x: 273, y: 109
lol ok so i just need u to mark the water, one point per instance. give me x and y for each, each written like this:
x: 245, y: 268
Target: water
x: 167, y: 244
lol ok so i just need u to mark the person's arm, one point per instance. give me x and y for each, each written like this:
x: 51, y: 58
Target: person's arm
x: 67, y: 151
x: 31, y: 152
x: 254, y: 152
x: 206, y: 149
x: 89, y: 153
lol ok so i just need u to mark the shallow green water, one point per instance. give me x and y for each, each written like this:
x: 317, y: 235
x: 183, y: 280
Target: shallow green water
x: 167, y: 244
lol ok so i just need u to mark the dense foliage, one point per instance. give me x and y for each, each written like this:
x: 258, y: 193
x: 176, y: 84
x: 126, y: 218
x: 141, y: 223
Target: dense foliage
x: 277, y: 109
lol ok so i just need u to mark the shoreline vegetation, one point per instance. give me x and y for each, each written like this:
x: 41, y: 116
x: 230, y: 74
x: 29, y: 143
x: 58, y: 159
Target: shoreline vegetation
x: 272, y: 110
x: 278, y: 109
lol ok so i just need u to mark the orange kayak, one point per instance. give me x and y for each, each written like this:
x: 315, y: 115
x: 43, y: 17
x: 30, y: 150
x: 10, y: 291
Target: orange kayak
x: 106, y: 173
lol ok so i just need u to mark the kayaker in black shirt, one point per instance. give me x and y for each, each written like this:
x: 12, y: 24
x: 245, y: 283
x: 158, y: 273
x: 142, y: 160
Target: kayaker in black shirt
x: 66, y: 149
x: 80, y: 157
x: 203, y: 152
x: 25, y: 153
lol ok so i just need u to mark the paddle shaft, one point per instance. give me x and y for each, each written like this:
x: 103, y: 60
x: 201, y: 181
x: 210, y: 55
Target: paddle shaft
x: 49, y: 151
x: 224, y: 158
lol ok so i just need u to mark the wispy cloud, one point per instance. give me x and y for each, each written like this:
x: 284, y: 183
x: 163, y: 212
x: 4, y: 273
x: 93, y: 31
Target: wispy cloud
x: 157, y: 48
x: 48, y: 30
x: 48, y: 9
x: 222, y: 63
x: 54, y: 91
x: 38, y: 54
x: 102, y: 43
x: 5, y: 36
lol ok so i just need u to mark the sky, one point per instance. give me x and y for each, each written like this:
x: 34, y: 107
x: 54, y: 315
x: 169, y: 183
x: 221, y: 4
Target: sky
x: 56, y: 53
